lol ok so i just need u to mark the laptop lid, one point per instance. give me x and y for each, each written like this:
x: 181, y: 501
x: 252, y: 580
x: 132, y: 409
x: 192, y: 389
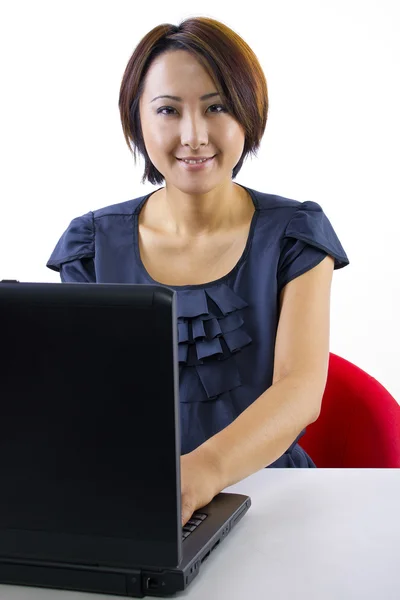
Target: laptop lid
x: 90, y: 430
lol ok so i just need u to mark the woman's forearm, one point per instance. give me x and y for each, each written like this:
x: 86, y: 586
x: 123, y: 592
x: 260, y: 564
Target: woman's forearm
x: 266, y: 429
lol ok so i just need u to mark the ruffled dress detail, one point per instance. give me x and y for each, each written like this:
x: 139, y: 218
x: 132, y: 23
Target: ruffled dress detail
x: 210, y: 332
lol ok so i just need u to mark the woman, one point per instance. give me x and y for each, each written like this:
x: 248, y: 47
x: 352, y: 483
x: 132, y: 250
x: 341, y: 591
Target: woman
x: 252, y: 270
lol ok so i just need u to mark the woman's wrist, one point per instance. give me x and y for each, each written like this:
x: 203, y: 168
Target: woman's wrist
x: 214, y: 463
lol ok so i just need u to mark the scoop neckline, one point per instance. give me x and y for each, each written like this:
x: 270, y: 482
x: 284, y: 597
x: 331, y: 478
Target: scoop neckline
x: 195, y: 286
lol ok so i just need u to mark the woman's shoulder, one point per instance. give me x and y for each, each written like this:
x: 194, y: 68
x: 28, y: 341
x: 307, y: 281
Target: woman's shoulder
x: 127, y: 207
x: 281, y: 205
x: 296, y: 225
x: 291, y: 214
x: 78, y: 239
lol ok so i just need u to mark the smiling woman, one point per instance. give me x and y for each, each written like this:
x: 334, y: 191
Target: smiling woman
x: 252, y: 270
x: 192, y: 119
x: 239, y: 84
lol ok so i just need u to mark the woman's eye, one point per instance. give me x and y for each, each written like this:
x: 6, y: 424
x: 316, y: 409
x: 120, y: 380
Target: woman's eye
x: 223, y: 109
x: 169, y: 108
x: 160, y: 110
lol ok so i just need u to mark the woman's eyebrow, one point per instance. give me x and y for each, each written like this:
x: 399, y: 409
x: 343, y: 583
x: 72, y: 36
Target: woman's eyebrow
x: 178, y: 99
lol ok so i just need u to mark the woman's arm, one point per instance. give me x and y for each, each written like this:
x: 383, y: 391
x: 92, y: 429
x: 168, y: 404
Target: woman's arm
x: 266, y: 429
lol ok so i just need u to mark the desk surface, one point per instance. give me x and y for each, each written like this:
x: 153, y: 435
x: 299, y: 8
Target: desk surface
x: 310, y: 534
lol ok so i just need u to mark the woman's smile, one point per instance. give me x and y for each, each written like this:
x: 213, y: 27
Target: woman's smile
x: 196, y: 166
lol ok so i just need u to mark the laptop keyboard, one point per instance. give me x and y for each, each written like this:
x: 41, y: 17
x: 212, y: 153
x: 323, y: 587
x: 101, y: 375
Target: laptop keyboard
x: 196, y: 520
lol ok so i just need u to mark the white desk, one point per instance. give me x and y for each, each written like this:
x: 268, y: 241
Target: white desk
x: 310, y: 534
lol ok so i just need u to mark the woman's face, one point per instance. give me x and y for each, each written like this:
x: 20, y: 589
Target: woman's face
x: 190, y: 127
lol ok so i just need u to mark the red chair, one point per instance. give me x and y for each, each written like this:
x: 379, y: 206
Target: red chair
x: 359, y: 423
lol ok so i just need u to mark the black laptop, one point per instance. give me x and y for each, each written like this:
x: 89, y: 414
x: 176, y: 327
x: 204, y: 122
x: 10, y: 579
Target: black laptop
x: 90, y: 443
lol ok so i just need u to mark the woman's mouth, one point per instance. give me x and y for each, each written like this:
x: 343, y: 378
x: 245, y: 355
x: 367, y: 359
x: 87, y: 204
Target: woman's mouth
x: 196, y: 165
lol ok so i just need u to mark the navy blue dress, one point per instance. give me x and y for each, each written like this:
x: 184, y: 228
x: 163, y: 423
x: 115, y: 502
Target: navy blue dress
x: 227, y: 327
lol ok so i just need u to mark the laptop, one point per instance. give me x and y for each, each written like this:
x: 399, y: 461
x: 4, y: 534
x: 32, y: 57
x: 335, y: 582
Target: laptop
x: 90, y: 443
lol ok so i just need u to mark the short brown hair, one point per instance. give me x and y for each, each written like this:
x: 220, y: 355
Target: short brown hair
x: 228, y: 60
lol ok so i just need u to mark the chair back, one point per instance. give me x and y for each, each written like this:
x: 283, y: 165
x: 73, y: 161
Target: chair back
x: 359, y: 423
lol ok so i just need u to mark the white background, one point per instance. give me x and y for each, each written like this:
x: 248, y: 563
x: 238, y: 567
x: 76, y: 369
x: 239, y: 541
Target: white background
x: 332, y: 136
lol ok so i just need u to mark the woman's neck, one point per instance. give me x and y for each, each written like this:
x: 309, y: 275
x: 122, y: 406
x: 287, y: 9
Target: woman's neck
x: 193, y: 216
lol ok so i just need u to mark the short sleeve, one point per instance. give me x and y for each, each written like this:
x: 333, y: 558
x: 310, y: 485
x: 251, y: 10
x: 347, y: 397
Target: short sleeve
x: 309, y: 237
x: 74, y: 253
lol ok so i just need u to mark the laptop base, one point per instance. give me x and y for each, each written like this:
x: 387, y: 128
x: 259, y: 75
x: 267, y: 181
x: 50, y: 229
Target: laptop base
x: 136, y: 583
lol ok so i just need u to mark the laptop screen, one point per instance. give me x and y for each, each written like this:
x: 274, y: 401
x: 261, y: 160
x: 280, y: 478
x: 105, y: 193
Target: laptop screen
x: 89, y: 412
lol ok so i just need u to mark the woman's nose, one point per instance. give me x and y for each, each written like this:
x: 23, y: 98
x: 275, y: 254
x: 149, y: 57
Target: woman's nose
x: 194, y: 131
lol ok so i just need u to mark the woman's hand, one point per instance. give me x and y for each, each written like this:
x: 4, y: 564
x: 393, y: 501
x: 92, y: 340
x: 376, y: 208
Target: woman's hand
x: 200, y: 481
